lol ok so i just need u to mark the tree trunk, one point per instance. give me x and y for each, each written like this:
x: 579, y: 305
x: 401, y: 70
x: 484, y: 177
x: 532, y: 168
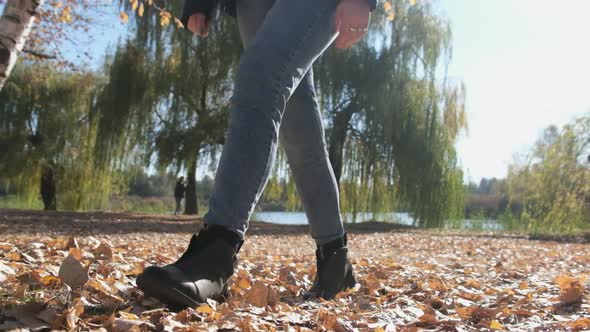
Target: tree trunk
x: 191, y: 205
x: 48, y: 189
x: 337, y: 140
x: 15, y: 24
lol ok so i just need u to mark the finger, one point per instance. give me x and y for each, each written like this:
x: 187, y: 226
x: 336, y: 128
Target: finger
x: 338, y: 20
x: 355, y: 36
x: 206, y: 28
x: 200, y: 24
x: 192, y: 23
x: 342, y: 40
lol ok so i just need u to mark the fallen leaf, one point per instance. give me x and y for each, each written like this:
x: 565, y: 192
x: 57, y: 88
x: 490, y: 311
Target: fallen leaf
x: 572, y: 289
x: 204, y: 309
x: 581, y: 324
x: 73, y: 273
x: 103, y: 252
x: 495, y: 325
x: 257, y: 295
x: 244, y: 282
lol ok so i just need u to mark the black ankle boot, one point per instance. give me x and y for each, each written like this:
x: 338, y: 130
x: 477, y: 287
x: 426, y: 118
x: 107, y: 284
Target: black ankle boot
x: 201, y: 273
x: 334, y: 270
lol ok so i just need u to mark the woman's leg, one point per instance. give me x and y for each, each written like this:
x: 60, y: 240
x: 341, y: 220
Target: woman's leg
x: 302, y: 137
x: 291, y: 37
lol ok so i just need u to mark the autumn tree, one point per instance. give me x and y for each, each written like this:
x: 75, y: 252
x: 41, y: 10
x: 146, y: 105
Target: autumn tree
x: 553, y: 180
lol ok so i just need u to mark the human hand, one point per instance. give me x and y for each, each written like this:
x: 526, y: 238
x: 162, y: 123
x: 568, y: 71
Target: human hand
x: 352, y: 22
x: 198, y: 25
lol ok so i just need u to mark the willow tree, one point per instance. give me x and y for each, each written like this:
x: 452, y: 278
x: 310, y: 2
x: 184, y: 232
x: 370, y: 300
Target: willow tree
x: 394, y: 119
x: 47, y: 138
x: 178, y: 86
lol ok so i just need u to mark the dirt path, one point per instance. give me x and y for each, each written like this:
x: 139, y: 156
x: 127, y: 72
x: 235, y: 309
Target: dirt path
x: 407, y: 279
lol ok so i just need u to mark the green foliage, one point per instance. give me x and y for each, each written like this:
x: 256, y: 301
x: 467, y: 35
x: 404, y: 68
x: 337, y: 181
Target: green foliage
x: 553, y: 180
x: 45, y: 122
x: 394, y: 120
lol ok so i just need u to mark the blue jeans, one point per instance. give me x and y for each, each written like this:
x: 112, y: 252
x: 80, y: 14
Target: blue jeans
x: 274, y: 96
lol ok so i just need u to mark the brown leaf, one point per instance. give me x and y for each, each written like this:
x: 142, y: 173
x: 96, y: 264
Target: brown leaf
x: 372, y: 283
x: 472, y: 283
x: 13, y: 256
x: 273, y: 296
x: 257, y: 295
x: 50, y: 315
x: 471, y: 296
x: 122, y: 324
x: 73, y: 273
x: 103, y: 252
x: 429, y: 319
x: 332, y: 323
x: 72, y: 314
x: 72, y: 243
x: 581, y: 324
x: 572, y: 289
x: 475, y: 313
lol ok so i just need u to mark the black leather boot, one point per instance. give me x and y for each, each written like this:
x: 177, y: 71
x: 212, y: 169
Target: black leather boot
x: 334, y: 270
x: 201, y: 273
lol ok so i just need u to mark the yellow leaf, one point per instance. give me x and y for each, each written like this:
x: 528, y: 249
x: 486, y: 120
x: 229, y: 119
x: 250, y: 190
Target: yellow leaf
x: 127, y: 315
x: 151, y: 2
x: 387, y: 5
x: 140, y: 11
x: 205, y: 309
x: 413, y: 2
x: 124, y: 17
x: 379, y: 329
x: 134, y: 4
x: 391, y: 15
x: 495, y: 325
x: 244, y: 283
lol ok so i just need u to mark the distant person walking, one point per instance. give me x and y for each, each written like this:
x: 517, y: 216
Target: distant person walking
x: 179, y: 191
x: 273, y: 97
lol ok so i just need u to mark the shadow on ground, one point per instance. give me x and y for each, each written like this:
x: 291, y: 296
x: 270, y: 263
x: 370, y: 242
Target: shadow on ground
x: 13, y: 222
x: 97, y: 222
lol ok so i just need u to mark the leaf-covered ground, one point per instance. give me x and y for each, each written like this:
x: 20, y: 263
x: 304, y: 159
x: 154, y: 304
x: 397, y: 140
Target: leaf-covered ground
x: 76, y: 271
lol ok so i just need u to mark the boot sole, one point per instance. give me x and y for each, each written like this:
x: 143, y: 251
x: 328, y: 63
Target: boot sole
x: 152, y: 283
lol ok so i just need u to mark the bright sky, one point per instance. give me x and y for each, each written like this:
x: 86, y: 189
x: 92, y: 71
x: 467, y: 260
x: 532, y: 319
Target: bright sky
x: 526, y: 65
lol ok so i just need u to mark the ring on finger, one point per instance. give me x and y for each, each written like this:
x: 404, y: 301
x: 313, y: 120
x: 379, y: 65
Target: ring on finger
x: 357, y: 29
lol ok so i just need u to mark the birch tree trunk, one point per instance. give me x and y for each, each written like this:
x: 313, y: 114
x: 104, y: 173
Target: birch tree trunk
x: 15, y: 24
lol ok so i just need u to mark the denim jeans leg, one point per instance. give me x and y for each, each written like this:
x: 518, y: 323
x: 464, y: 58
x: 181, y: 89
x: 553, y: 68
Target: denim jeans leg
x: 302, y: 137
x: 292, y: 36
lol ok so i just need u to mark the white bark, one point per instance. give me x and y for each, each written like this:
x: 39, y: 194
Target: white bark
x: 15, y: 24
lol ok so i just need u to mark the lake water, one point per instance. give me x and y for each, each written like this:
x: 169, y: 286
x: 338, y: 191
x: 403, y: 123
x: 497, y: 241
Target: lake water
x: 403, y: 218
